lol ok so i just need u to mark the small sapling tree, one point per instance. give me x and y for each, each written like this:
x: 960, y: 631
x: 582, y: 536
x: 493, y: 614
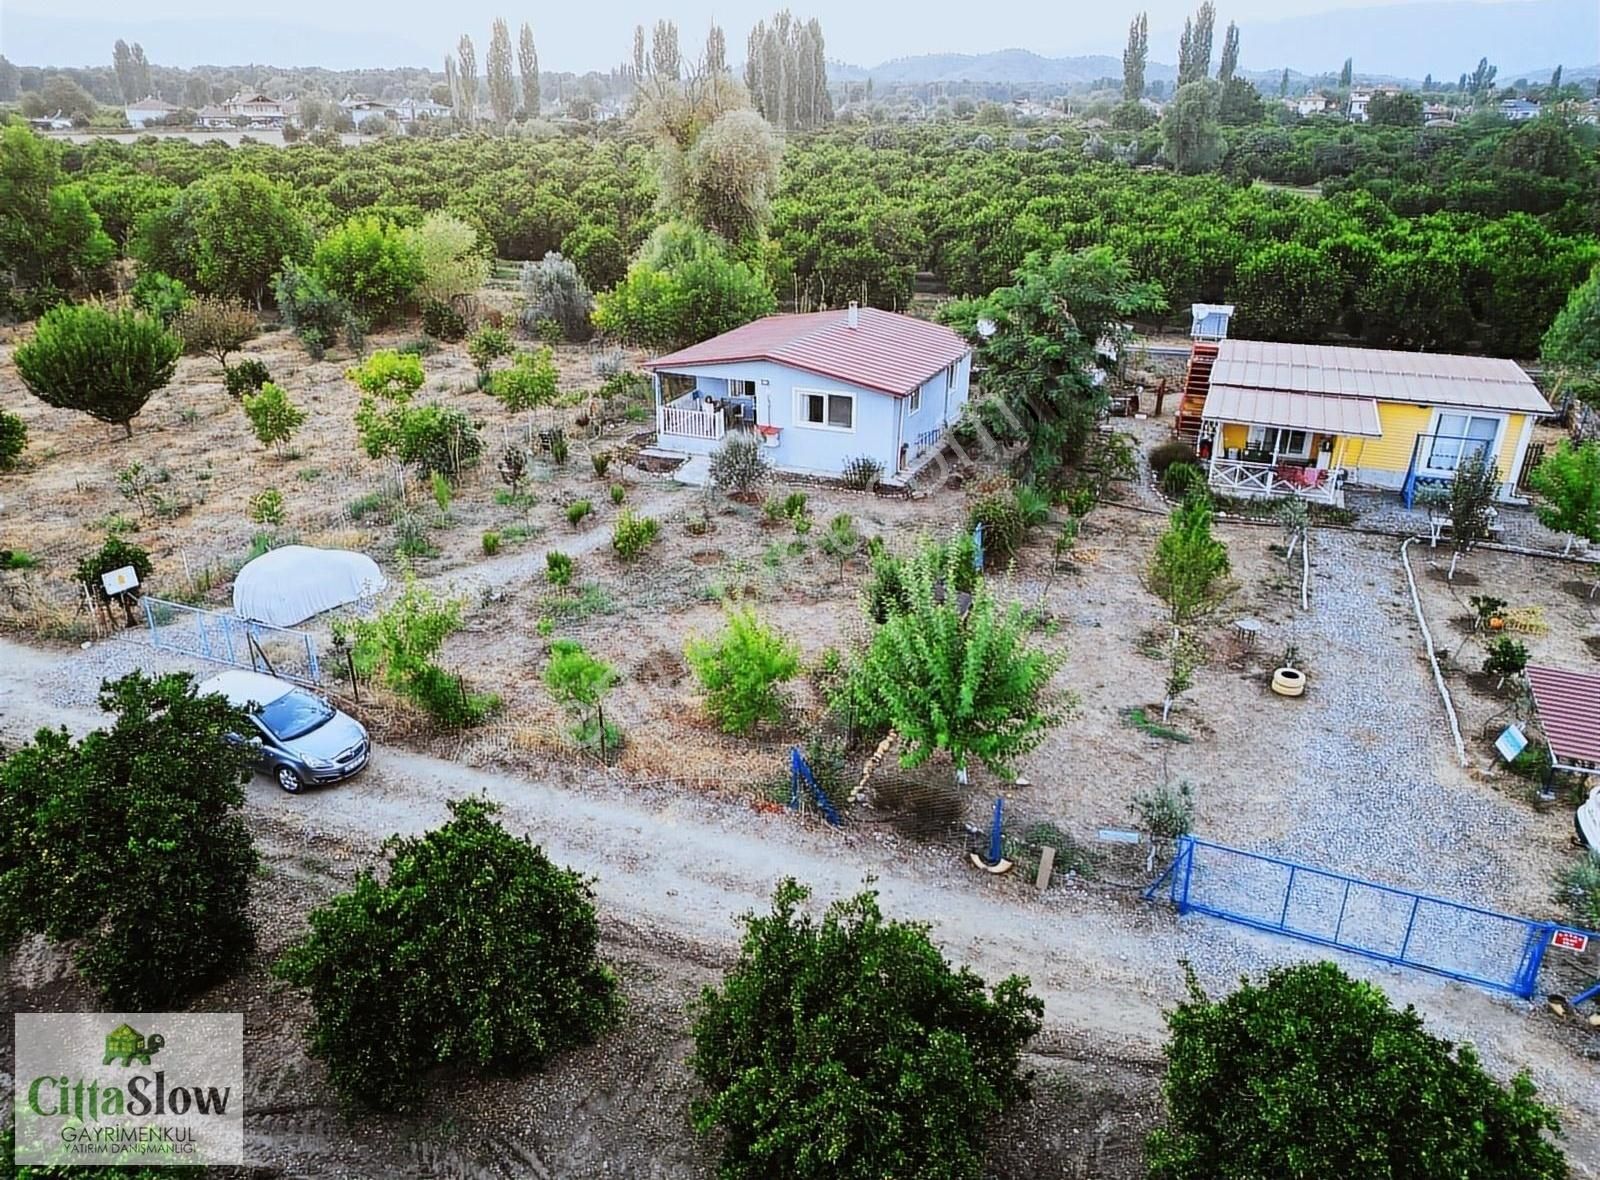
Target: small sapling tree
x: 215, y: 327
x: 580, y: 683
x: 1189, y: 564
x: 487, y: 345
x: 273, y: 417
x: 1472, y: 495
x: 425, y: 968
x: 528, y: 383
x: 949, y: 674
x: 807, y: 1057
x: 1568, y: 480
x: 740, y: 670
x: 102, y: 363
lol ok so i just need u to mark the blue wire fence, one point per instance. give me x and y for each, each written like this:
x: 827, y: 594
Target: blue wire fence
x: 1462, y: 942
x: 223, y: 638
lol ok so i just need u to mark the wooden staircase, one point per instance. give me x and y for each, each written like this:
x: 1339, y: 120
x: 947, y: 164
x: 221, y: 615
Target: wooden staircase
x: 1196, y: 384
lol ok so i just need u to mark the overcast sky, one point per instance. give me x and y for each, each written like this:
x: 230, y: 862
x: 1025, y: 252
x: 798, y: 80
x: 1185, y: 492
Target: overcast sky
x: 596, y: 34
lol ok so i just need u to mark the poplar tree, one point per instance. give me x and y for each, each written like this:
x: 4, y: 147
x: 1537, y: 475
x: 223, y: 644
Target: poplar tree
x: 497, y: 69
x: 1134, y: 58
x: 467, y: 76
x: 528, y: 61
x: 1230, y: 54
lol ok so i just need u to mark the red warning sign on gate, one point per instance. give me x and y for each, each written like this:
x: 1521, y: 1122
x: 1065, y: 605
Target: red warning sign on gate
x: 1570, y: 940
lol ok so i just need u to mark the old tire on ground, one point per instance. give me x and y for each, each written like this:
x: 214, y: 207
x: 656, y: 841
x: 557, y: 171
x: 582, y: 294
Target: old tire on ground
x: 1288, y: 682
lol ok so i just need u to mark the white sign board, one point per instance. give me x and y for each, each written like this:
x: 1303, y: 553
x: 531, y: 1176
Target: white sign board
x: 1511, y: 743
x: 119, y: 581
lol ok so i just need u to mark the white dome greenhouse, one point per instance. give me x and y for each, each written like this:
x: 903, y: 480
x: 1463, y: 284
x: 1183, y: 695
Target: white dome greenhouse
x: 286, y: 586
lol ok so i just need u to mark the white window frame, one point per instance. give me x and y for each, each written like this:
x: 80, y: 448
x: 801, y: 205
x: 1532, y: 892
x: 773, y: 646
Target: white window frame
x: 804, y: 423
x: 1256, y: 440
x: 1493, y: 450
x: 916, y: 403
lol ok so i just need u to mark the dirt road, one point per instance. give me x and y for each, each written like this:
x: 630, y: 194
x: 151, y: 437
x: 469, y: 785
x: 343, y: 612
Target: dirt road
x: 1104, y: 963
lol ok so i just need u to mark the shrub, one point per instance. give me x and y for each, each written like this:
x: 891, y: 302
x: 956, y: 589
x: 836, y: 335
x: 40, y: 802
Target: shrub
x: 245, y: 377
x: 528, y: 383
x: 487, y: 345
x: 738, y: 465
x: 547, y: 331
x: 1252, y: 1090
x: 560, y: 451
x: 103, y: 363
x: 1033, y: 505
x: 440, y: 487
x: 453, y: 263
x: 1578, y: 890
x: 632, y: 535
x: 273, y: 417
x: 1507, y: 657
x: 795, y: 505
x: 13, y: 439
x: 1168, y: 453
x: 554, y: 293
x: 159, y: 294
x: 400, y: 644
x: 740, y: 670
x: 1166, y: 812
x: 491, y: 543
x: 1003, y: 526
x: 618, y: 493
x: 318, y: 317
x: 112, y: 555
x: 431, y: 438
x: 558, y: 568
x: 601, y: 462
x: 577, y: 510
x: 171, y: 920
x: 861, y: 473
x: 841, y: 541
x: 805, y: 1013
x: 579, y: 682
x: 442, y: 321
x: 458, y: 985
x: 370, y: 262
x: 513, y: 466
x: 266, y: 507
x: 1180, y: 479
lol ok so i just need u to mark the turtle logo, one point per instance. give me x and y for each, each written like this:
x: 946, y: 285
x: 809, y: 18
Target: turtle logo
x: 131, y: 1046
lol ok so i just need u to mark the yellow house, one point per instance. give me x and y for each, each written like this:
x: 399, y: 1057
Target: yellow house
x: 1307, y: 419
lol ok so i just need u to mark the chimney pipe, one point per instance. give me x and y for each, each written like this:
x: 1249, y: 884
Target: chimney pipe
x: 852, y: 317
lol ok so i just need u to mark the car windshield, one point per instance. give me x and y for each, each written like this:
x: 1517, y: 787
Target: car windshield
x: 294, y: 714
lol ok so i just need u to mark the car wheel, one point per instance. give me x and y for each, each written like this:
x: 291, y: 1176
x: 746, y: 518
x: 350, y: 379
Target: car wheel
x: 289, y: 780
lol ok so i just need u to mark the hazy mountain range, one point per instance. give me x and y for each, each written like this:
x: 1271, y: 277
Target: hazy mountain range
x: 1525, y: 38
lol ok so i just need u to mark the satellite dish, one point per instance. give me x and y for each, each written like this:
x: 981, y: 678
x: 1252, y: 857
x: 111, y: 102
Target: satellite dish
x: 987, y: 328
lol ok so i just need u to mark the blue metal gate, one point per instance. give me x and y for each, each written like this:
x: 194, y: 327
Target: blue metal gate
x: 223, y: 638
x: 1478, y: 946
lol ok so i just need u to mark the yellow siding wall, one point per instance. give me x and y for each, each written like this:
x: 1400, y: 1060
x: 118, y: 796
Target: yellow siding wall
x: 1508, y: 448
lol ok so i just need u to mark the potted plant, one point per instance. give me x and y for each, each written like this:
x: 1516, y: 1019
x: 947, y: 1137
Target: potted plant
x: 1289, y: 680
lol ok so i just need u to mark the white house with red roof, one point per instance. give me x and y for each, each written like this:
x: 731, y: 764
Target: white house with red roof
x: 820, y: 388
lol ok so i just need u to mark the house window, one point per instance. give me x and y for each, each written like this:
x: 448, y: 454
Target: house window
x: 741, y: 389
x: 1458, y: 437
x: 1286, y: 444
x: 825, y: 411
x: 916, y: 401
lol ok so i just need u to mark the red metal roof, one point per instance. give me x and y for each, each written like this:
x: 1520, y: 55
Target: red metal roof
x: 886, y: 351
x: 1569, y: 712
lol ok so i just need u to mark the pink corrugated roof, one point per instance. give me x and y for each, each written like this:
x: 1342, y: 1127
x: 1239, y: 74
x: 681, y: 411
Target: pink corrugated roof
x: 1569, y: 712
x: 1423, y: 378
x: 1323, y: 413
x: 888, y: 352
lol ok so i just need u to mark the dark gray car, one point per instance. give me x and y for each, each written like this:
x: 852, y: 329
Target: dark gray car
x: 299, y: 739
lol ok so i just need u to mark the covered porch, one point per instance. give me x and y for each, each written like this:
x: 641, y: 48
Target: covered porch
x: 1272, y: 444
x: 702, y: 408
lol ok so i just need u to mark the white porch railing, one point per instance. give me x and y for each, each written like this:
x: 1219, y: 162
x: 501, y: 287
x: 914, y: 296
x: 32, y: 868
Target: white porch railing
x: 1233, y: 477
x: 688, y: 423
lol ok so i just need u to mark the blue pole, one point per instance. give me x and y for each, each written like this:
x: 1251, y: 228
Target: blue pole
x: 995, y: 828
x: 977, y: 547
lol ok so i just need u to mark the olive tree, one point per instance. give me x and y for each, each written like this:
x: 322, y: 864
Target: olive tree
x: 214, y: 326
x: 813, y: 1068
x: 100, y: 362
x: 165, y: 783
x: 554, y: 291
x: 474, y: 951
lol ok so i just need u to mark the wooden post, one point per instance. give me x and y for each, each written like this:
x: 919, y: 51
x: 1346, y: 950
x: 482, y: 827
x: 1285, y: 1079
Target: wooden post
x: 1047, y: 864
